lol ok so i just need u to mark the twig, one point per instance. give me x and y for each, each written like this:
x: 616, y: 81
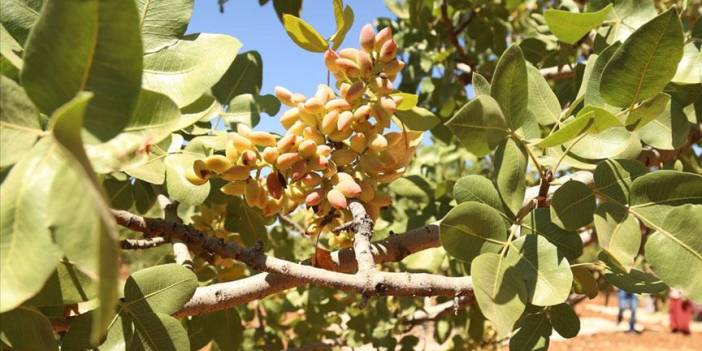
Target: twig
x: 363, y: 232
x: 288, y: 221
x: 140, y: 244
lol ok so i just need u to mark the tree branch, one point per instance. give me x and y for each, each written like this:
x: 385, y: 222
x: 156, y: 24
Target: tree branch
x: 377, y: 283
x: 139, y: 244
x: 363, y: 232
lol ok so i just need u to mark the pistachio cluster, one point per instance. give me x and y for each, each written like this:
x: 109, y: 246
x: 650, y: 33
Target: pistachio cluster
x: 335, y: 147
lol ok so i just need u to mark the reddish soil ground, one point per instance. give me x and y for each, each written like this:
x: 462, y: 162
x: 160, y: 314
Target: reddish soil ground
x: 655, y: 336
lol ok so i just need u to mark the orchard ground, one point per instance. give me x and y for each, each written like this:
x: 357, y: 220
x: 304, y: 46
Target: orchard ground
x: 600, y: 331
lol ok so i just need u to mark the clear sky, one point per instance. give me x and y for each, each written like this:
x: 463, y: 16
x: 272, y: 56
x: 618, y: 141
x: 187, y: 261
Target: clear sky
x: 284, y: 63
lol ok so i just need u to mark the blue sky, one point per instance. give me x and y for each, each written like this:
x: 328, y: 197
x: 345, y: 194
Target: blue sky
x: 284, y: 63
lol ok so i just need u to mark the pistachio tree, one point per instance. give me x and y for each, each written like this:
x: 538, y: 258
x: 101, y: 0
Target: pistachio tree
x: 476, y: 167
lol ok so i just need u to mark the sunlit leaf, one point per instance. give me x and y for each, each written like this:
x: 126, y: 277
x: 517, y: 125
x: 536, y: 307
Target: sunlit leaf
x: 500, y: 293
x: 569, y: 27
x: 510, y: 168
x: 545, y: 272
x: 102, y: 55
x: 418, y: 118
x: 510, y: 87
x: 472, y: 228
x: 303, y: 34
x: 479, y: 125
x: 19, y: 123
x: 645, y: 63
x: 185, y: 70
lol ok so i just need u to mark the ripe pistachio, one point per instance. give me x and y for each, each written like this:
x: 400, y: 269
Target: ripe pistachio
x: 337, y: 199
x: 367, y: 38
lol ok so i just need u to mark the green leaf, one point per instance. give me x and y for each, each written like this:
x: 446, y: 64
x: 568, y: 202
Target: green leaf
x: 26, y: 328
x: 282, y: 7
x: 97, y: 224
x: 569, y: 27
x: 418, y: 118
x: 246, y: 109
x: 164, y: 289
x: 593, y: 95
x: 626, y: 17
x: 102, y: 53
x: 510, y: 86
x: 19, y: 16
x: 645, y: 63
x: 592, y: 149
x: 479, y: 125
x: 246, y: 221
x: 544, y: 270
x: 178, y: 187
x: 426, y: 261
x: 500, y: 293
x: 162, y: 23
x: 674, y: 250
x: 472, y: 228
x: 564, y: 320
x: 27, y: 254
x: 303, y: 34
x: 187, y: 69
x: 19, y: 122
x: 539, y: 222
x: 344, y: 20
x: 572, y: 205
x: 543, y: 104
x: 224, y: 327
x: 154, y: 119
x: 481, y: 86
x: 654, y: 194
x: 613, y: 178
x: 533, y: 333
x: 618, y: 233
x: 590, y: 119
x: 414, y: 187
x: 66, y: 286
x: 10, y: 50
x: 510, y: 172
x: 148, y: 331
x: 244, y: 76
x: 634, y: 281
x: 479, y: 189
x: 647, y: 111
x: 667, y: 131
x: 584, y: 281
x: 409, y: 101
x: 689, y: 71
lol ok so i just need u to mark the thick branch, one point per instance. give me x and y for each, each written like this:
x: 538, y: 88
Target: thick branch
x: 225, y: 295
x: 378, y: 283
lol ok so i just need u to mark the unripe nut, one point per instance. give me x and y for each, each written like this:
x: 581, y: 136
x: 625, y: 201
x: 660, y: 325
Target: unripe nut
x: 307, y: 148
x: 217, y: 163
x: 262, y: 138
x: 287, y: 160
x: 236, y: 173
x: 284, y: 95
x: 270, y: 154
